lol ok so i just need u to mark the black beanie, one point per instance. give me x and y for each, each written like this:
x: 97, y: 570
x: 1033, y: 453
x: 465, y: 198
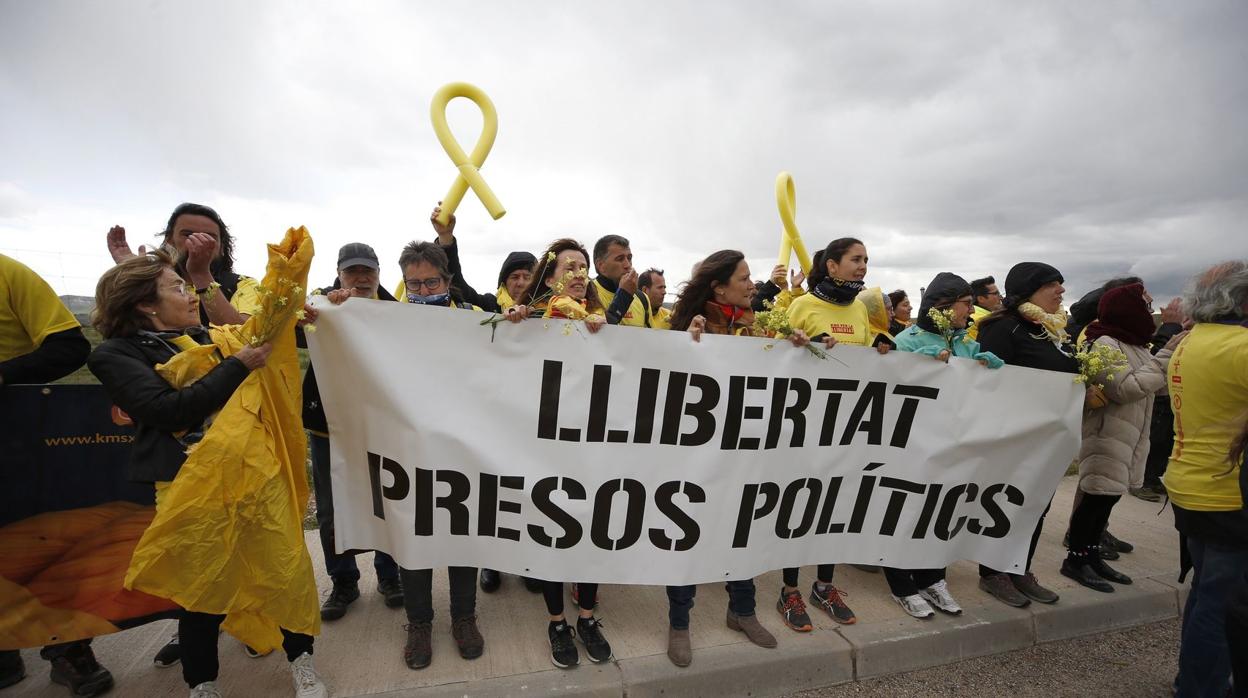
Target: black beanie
x: 1025, y: 278
x: 945, y: 287
x: 514, y: 261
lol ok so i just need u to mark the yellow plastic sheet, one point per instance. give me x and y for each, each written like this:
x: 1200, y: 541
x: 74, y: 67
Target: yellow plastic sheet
x: 790, y: 238
x: 469, y: 166
x: 228, y: 536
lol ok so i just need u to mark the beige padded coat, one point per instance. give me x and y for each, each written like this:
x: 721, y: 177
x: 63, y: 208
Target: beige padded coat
x: 1115, y: 437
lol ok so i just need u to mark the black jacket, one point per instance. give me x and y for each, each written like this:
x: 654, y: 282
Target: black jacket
x: 1020, y: 343
x: 125, y: 366
x: 313, y: 410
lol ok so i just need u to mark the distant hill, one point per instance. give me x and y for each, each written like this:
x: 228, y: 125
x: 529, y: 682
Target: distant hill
x: 80, y: 306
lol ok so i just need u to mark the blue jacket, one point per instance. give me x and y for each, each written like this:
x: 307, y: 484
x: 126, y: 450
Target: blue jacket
x: 920, y: 341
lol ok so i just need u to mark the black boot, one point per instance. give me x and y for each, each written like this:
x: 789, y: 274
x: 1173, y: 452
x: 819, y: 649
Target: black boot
x: 491, y: 580
x: 343, y: 594
x: 1078, y: 566
x: 1107, y: 572
x: 1108, y: 540
x: 78, y: 669
x: 12, y: 669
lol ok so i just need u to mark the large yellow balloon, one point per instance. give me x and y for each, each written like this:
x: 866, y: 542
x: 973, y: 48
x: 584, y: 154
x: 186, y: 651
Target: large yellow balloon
x: 469, y: 166
x: 790, y: 238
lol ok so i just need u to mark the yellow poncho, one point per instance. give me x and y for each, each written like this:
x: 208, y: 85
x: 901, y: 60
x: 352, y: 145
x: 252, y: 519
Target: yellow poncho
x: 228, y: 536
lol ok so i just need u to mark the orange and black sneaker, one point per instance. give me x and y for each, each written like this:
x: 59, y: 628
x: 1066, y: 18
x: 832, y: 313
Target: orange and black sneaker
x: 793, y: 610
x: 829, y: 599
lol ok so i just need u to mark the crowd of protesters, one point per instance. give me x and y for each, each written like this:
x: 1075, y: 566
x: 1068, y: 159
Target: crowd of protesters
x: 1138, y: 436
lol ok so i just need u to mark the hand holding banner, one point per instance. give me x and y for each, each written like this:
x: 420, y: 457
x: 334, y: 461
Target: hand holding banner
x: 469, y: 166
x: 790, y: 239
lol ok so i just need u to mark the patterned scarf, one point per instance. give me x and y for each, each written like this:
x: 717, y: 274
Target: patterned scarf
x: 1052, y: 324
x: 837, y: 291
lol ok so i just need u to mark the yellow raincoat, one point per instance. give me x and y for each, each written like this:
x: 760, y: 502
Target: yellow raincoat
x: 877, y: 311
x: 228, y: 536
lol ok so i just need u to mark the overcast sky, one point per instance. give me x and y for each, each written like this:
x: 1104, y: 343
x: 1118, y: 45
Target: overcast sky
x: 1103, y: 138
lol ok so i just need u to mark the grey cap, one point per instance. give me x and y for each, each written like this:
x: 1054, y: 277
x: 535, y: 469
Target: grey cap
x: 357, y: 253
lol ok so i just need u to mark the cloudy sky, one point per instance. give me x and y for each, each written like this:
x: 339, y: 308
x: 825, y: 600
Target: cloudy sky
x: 1103, y: 137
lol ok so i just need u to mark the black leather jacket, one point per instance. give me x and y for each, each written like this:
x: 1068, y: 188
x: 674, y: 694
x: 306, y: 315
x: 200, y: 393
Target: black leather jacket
x: 125, y: 366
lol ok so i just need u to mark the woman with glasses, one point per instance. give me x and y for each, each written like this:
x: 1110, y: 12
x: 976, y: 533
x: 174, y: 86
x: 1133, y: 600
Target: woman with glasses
x: 427, y: 281
x: 918, y: 591
x: 147, y: 314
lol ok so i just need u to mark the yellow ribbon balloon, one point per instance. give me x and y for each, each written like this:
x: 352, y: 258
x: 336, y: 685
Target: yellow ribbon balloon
x: 469, y: 166
x: 790, y: 239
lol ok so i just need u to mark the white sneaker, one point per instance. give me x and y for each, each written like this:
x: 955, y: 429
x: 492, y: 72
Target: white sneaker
x: 938, y: 595
x: 915, y: 606
x: 207, y: 689
x: 308, y: 683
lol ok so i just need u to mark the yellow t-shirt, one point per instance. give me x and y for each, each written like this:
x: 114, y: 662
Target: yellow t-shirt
x: 849, y: 324
x: 661, y: 319
x: 29, y: 310
x: 246, y: 299
x: 1208, y: 381
x: 636, y: 314
x: 976, y: 315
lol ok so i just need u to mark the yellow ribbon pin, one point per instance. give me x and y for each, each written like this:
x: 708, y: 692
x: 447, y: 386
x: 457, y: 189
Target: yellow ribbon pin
x: 790, y: 239
x: 469, y: 167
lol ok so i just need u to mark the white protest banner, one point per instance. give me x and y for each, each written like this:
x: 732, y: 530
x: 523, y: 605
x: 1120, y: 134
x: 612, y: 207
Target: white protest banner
x: 639, y: 456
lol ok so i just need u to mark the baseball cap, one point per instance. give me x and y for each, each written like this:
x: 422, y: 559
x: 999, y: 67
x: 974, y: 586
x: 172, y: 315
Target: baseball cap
x: 357, y: 253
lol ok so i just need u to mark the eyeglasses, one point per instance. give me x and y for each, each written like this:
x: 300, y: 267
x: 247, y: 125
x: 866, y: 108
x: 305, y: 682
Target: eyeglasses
x: 992, y: 293
x: 432, y: 283
x: 183, y: 288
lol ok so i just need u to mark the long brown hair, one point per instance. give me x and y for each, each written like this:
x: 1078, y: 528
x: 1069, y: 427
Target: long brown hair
x: 121, y: 289
x: 545, y: 268
x: 720, y: 267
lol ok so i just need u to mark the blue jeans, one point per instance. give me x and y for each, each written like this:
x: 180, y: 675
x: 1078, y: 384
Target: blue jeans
x: 341, y: 568
x: 680, y: 601
x: 1204, y: 659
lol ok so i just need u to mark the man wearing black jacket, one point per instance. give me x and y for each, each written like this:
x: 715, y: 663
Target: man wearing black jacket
x: 358, y: 276
x: 41, y: 341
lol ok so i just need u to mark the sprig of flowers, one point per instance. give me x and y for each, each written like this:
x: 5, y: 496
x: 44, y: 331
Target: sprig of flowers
x: 774, y: 322
x: 1098, y: 360
x: 278, y: 306
x: 943, y: 320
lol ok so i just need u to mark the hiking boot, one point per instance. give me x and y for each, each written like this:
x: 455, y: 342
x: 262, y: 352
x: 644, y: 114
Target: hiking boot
x: 491, y: 580
x: 1145, y: 494
x: 468, y: 637
x: 793, y: 610
x: 1083, y: 573
x: 533, y: 585
x: 308, y: 683
x: 1000, y: 586
x: 78, y: 670
x: 563, y: 652
x: 418, y: 651
x: 752, y: 629
x: 13, y: 669
x: 1029, y: 586
x: 207, y: 689
x: 168, y: 655
x: 588, y: 630
x: 915, y: 605
x: 939, y: 597
x: 1109, y: 540
x: 679, y: 649
x: 340, y: 597
x: 391, y: 589
x: 1109, y: 573
x: 830, y: 601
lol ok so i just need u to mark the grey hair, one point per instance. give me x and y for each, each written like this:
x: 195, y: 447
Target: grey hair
x: 1218, y: 293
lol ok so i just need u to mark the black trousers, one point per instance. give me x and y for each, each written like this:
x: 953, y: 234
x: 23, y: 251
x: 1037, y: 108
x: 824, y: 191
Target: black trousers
x: 985, y: 571
x: 908, y: 582
x: 418, y: 593
x: 552, y: 592
x: 197, y: 635
x: 823, y: 573
x: 1088, y: 521
x: 1160, y: 440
